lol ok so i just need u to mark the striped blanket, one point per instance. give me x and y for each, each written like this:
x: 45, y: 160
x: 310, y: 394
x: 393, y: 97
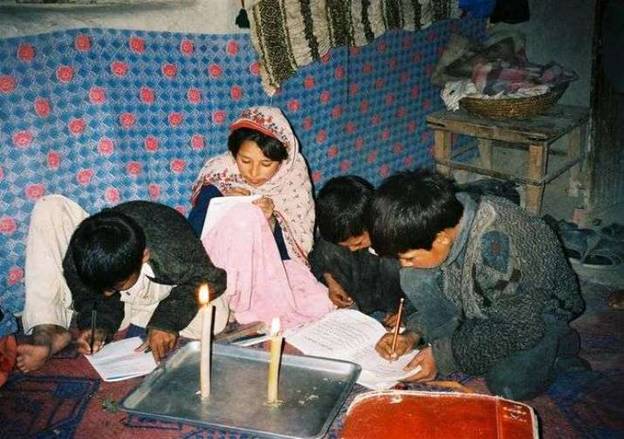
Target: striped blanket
x: 288, y: 34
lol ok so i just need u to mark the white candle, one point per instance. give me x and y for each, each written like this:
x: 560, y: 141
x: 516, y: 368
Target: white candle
x: 206, y: 339
x: 274, y: 361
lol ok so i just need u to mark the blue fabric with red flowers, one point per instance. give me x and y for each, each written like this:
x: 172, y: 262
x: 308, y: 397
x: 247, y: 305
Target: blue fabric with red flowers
x: 104, y: 116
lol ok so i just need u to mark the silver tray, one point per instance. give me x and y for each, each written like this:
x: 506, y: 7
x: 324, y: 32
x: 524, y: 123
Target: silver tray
x: 311, y: 389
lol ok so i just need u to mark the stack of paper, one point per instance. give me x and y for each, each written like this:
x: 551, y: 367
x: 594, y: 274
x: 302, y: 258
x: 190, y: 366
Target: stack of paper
x: 119, y: 361
x: 350, y: 335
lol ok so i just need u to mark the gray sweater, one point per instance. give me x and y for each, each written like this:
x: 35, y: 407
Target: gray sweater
x: 505, y: 272
x: 177, y: 257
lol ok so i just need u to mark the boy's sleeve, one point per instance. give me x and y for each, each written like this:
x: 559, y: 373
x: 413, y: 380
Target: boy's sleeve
x: 320, y: 257
x: 327, y: 257
x: 110, y: 311
x: 182, y: 258
x: 388, y: 291
x: 513, y: 313
x: 478, y: 343
x: 176, y: 311
x: 359, y: 273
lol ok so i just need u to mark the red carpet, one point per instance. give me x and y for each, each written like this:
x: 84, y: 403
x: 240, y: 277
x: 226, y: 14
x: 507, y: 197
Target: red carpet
x: 67, y: 399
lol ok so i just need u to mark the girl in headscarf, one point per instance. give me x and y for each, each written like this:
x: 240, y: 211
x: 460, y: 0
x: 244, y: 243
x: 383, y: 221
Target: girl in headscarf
x: 263, y: 246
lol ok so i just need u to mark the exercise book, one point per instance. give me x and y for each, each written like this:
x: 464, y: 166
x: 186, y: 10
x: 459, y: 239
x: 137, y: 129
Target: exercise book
x: 219, y: 206
x: 119, y: 360
x: 350, y: 335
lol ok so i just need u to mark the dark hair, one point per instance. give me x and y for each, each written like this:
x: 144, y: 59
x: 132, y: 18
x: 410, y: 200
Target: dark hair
x: 409, y: 209
x: 340, y: 207
x: 107, y: 248
x: 270, y: 146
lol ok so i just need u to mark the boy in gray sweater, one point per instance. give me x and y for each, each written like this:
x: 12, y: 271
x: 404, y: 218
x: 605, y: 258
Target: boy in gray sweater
x: 492, y: 289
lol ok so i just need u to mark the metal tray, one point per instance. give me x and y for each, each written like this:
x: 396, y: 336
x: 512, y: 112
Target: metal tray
x: 311, y: 389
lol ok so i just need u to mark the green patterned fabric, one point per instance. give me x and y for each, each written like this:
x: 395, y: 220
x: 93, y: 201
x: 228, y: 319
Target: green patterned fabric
x: 288, y: 34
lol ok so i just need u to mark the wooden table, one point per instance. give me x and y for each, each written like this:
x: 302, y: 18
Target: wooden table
x: 534, y: 135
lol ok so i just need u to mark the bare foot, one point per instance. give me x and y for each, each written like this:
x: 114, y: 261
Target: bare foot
x: 616, y: 300
x: 47, y: 340
x: 31, y: 357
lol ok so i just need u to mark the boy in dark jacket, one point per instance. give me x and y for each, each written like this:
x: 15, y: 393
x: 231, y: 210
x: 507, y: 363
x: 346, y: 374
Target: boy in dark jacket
x: 137, y: 263
x: 493, y: 291
x: 341, y: 258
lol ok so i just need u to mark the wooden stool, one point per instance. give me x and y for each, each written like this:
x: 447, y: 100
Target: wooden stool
x: 533, y: 135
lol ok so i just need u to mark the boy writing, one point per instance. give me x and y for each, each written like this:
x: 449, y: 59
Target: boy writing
x: 491, y: 286
x: 137, y: 263
x: 341, y: 258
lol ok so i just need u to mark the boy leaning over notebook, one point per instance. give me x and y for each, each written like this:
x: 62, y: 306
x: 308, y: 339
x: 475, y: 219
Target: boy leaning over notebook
x: 491, y: 286
x: 137, y: 263
x: 341, y: 258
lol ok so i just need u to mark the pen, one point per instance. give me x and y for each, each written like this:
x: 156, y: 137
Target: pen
x: 93, y: 323
x: 397, y: 325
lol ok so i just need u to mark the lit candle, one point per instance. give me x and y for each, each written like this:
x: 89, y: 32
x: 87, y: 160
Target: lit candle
x: 274, y: 361
x: 206, y: 339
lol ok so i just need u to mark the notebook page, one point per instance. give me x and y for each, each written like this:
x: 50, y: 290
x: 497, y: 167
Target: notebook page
x: 381, y: 368
x: 339, y: 334
x: 220, y: 205
x: 350, y: 335
x: 118, y: 360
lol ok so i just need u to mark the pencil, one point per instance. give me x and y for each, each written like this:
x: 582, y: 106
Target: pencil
x: 93, y: 323
x: 397, y: 325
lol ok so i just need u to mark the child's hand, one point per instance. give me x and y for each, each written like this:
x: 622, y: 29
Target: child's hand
x: 405, y: 343
x: 336, y: 293
x: 390, y: 319
x: 83, y: 342
x: 339, y: 297
x: 428, y: 369
x: 267, y: 206
x: 236, y: 192
x: 161, y: 342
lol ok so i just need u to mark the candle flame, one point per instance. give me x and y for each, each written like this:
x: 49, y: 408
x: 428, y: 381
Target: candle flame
x: 204, y: 294
x: 275, y: 326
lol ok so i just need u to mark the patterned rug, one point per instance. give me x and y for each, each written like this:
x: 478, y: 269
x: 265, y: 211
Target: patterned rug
x: 66, y: 399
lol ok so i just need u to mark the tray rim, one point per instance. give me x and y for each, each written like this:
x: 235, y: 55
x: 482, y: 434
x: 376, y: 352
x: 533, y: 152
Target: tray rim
x: 249, y: 353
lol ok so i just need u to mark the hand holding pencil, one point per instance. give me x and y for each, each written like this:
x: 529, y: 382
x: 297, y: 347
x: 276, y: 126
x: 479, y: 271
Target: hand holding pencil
x: 397, y: 326
x: 83, y: 342
x: 393, y: 344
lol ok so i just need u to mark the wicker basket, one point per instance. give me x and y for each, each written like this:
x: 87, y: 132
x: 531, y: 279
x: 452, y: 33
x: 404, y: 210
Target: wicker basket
x: 513, y: 108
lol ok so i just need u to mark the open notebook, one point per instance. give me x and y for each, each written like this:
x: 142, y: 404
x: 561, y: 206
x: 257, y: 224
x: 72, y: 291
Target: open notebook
x: 118, y: 360
x: 219, y: 206
x: 350, y: 335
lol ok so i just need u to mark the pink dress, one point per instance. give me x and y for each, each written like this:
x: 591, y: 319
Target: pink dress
x: 260, y: 286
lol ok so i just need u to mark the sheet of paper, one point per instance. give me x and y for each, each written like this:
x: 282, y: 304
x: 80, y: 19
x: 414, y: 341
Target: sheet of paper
x: 220, y: 205
x: 118, y: 360
x: 340, y: 333
x: 350, y: 335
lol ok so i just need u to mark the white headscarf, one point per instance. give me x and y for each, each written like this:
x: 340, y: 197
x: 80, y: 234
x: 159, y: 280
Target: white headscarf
x: 290, y: 187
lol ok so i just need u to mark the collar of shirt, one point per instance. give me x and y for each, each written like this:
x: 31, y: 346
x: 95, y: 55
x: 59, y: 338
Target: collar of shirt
x: 146, y: 274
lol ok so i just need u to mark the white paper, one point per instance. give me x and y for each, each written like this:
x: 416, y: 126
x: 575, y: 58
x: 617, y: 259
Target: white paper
x: 219, y: 206
x: 350, y: 335
x: 118, y: 360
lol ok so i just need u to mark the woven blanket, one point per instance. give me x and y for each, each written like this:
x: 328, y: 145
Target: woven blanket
x: 289, y: 34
